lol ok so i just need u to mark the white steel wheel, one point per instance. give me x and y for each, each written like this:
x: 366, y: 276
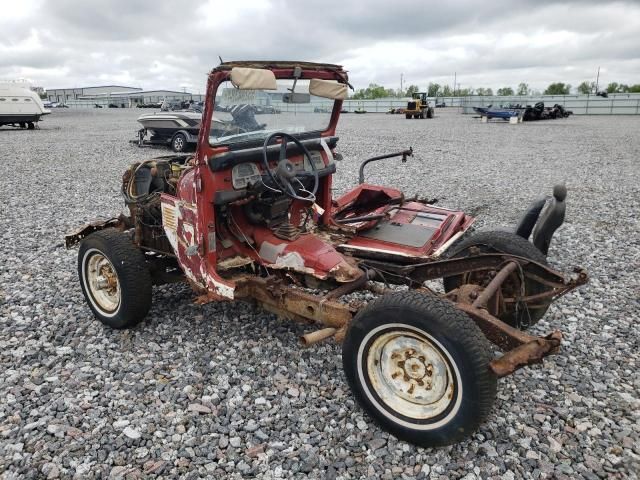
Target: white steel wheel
x: 420, y: 368
x: 114, y: 277
x: 409, y: 374
x: 101, y: 279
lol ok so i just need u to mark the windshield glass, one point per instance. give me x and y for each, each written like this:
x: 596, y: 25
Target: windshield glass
x: 246, y: 115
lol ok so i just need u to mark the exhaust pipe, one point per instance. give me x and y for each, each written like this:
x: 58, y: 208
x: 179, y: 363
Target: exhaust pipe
x: 314, y: 337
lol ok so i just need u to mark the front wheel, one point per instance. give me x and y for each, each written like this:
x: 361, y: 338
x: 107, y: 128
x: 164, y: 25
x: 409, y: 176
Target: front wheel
x: 420, y: 368
x: 115, y: 279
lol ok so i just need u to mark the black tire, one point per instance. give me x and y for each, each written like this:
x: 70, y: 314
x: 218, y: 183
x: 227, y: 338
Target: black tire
x: 130, y: 302
x: 430, y: 112
x: 31, y: 126
x: 179, y: 143
x: 23, y: 125
x: 510, y: 243
x: 407, y: 116
x: 462, y: 354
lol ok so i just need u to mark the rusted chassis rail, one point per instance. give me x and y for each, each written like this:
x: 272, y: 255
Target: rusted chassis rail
x: 521, y: 349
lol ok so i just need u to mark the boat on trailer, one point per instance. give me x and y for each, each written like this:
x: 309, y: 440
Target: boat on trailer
x: 502, y: 113
x: 19, y: 106
x: 179, y: 130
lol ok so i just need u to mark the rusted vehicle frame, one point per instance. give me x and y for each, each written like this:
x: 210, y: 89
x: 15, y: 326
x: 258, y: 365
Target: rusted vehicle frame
x: 521, y: 349
x: 481, y: 304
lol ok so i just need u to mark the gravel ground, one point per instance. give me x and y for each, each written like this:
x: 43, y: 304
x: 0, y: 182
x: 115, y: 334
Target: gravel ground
x: 225, y: 391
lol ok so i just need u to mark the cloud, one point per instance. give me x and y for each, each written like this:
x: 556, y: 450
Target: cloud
x: 171, y: 44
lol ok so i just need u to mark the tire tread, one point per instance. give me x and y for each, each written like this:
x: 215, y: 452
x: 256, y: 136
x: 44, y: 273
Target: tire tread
x: 133, y: 275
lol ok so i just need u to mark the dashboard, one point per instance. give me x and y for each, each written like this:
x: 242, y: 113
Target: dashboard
x: 244, y: 174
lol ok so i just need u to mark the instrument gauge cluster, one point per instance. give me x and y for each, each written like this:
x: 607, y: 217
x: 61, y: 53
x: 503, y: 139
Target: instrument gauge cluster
x: 318, y: 162
x: 244, y: 174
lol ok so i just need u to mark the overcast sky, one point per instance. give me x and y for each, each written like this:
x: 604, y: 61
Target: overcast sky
x: 172, y: 44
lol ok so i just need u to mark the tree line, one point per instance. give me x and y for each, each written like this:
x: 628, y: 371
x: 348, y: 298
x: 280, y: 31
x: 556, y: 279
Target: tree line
x: 374, y: 90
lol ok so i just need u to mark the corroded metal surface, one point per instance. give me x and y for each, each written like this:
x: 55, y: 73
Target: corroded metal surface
x: 504, y: 336
x: 526, y: 354
x: 275, y: 293
x: 87, y: 229
x: 494, y: 285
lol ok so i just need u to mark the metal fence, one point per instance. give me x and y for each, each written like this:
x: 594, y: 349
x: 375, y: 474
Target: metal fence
x: 619, y: 104
x: 127, y: 101
x: 615, y: 104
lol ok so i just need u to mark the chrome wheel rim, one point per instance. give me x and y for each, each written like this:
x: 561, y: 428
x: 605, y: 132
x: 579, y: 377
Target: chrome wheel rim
x: 102, y: 282
x: 178, y: 144
x: 411, y: 375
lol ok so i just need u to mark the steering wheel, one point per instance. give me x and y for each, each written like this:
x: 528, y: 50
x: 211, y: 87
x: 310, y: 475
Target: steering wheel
x: 285, y: 172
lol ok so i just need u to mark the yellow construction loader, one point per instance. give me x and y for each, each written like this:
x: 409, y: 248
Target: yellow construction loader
x: 418, y: 107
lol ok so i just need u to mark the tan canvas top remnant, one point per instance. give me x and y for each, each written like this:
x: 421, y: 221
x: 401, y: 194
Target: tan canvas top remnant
x: 327, y: 89
x: 253, y: 79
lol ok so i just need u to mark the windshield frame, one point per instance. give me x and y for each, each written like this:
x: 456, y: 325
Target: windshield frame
x: 282, y: 71
x: 241, y: 120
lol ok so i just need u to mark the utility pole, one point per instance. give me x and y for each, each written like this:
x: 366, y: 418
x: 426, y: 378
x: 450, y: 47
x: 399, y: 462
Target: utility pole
x: 401, y: 89
x: 454, y: 84
x: 597, y: 80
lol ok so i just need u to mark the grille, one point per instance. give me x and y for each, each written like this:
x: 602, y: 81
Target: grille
x: 169, y: 217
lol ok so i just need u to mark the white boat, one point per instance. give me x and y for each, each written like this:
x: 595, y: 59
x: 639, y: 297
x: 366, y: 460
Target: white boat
x: 20, y: 106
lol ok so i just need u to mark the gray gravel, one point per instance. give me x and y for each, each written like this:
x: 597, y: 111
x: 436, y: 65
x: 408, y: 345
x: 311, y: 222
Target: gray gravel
x: 225, y: 391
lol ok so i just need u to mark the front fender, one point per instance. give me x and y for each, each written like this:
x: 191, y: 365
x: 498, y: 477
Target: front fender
x: 87, y: 229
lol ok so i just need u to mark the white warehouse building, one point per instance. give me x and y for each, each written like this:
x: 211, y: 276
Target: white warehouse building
x: 118, y: 95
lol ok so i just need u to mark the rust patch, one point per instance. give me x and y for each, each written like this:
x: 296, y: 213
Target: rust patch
x: 275, y: 294
x: 504, y: 336
x: 233, y: 262
x: 526, y: 354
x: 345, y: 272
x: 87, y: 229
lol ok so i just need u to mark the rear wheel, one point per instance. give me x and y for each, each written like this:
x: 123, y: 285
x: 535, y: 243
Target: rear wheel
x: 179, y: 143
x: 115, y: 279
x: 31, y: 126
x: 407, y: 116
x: 517, y: 315
x: 419, y: 368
